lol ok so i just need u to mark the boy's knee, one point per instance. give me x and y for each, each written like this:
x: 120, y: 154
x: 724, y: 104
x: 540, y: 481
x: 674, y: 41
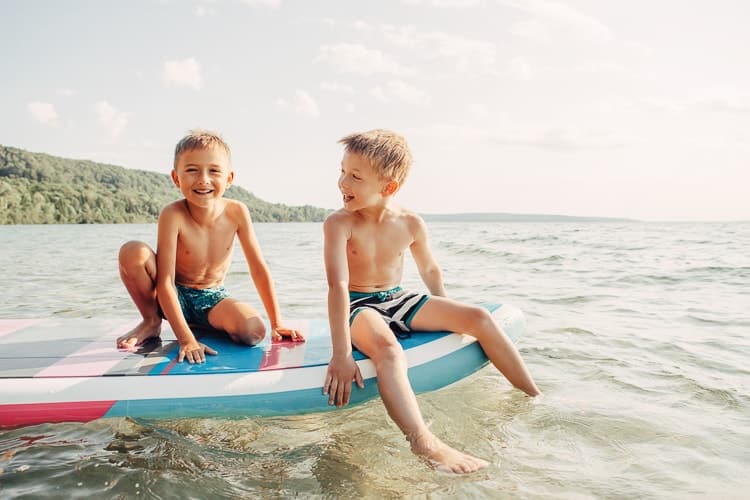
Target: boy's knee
x: 388, y: 351
x: 134, y: 251
x: 253, y: 333
x: 479, y: 318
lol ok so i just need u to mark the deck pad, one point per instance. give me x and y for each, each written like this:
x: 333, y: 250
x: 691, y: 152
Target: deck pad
x: 63, y: 369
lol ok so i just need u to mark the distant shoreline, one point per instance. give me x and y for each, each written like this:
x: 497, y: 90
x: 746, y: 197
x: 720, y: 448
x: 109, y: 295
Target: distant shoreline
x: 507, y: 217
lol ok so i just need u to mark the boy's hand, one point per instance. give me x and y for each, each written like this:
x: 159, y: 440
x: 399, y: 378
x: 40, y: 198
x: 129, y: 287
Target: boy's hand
x: 342, y: 371
x: 280, y: 332
x: 194, y: 352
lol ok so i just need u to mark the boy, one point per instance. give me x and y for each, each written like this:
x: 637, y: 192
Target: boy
x: 364, y: 245
x: 183, y: 280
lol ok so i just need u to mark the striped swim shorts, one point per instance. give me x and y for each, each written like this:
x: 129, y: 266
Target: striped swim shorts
x: 396, y: 307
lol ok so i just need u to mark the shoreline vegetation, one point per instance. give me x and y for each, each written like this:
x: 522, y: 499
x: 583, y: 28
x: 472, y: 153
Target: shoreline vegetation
x: 37, y: 188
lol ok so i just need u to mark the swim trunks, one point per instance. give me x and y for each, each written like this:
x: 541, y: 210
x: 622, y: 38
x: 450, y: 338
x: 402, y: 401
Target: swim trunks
x: 396, y: 306
x: 197, y: 302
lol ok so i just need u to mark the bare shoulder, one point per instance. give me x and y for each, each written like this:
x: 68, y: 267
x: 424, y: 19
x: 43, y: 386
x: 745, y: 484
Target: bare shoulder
x: 338, y: 221
x: 413, y: 221
x: 236, y: 209
x: 237, y: 213
x: 173, y: 211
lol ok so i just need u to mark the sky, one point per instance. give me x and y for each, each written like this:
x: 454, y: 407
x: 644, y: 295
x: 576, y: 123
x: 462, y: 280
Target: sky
x: 637, y: 109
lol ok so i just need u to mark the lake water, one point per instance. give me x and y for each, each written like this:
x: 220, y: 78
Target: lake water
x: 639, y: 336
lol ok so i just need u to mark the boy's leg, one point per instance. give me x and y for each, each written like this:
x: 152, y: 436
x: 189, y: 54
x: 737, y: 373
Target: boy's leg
x: 138, y: 273
x: 242, y: 323
x: 372, y: 336
x: 440, y: 313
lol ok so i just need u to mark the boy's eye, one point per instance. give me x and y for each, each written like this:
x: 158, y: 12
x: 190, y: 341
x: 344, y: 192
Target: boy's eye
x: 356, y: 177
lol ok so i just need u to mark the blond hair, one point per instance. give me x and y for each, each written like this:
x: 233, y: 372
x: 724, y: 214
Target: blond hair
x: 201, y: 139
x: 386, y: 151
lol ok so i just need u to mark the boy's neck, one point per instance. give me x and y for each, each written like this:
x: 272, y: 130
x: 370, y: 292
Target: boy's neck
x: 376, y: 213
x: 204, y: 215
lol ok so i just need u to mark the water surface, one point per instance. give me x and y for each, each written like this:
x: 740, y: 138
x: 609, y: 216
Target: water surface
x: 639, y: 335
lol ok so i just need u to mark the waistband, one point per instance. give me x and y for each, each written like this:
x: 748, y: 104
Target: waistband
x: 381, y: 295
x: 188, y: 289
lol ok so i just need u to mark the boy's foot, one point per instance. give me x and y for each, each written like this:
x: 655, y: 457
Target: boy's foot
x: 442, y: 456
x: 138, y: 335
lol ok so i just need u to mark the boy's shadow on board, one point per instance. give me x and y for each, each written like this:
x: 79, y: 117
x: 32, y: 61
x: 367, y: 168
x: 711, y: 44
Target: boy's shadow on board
x: 157, y: 346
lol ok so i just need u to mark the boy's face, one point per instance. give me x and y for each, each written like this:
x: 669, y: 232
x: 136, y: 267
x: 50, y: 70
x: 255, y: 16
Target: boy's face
x: 360, y: 184
x: 203, y: 175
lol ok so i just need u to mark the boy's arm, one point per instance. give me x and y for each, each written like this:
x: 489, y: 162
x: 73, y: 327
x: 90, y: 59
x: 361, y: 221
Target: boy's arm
x: 342, y: 369
x: 261, y: 276
x: 428, y: 267
x: 166, y: 292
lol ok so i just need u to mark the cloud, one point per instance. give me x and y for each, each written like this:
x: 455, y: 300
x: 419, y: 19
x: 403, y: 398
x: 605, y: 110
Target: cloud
x: 113, y: 120
x: 468, y: 55
x: 65, y: 92
x: 183, y: 72
x: 302, y: 103
x: 274, y: 4
x: 203, y: 11
x: 478, y: 110
x: 461, y: 4
x: 336, y: 87
x: 531, y: 29
x: 379, y: 94
x: 355, y: 58
x: 43, y: 112
x: 552, y: 140
x: 726, y: 104
x: 520, y: 68
x: 559, y: 140
x: 402, y: 91
x: 560, y: 14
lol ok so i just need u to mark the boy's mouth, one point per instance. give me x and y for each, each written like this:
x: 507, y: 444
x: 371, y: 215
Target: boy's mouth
x: 203, y: 191
x: 348, y: 198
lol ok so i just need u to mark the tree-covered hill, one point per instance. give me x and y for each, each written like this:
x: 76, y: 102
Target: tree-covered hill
x: 37, y: 188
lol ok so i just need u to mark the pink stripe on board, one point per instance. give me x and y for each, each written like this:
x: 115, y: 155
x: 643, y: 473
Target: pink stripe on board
x: 16, y: 415
x: 286, y: 353
x: 169, y: 367
x: 77, y: 365
x: 11, y: 325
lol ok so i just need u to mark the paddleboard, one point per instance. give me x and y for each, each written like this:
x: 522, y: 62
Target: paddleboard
x: 68, y: 370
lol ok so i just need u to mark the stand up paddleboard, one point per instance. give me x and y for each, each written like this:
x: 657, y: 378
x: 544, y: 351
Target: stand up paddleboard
x: 68, y: 370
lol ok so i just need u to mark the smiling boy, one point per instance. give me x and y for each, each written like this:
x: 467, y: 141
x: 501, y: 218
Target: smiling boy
x: 364, y: 247
x: 183, y: 280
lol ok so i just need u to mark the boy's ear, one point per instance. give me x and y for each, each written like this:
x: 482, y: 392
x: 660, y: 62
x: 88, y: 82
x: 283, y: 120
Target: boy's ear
x: 175, y: 179
x: 230, y: 178
x: 390, y: 188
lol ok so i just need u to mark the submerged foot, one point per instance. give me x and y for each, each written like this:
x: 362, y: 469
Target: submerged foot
x: 138, y: 335
x: 442, y: 456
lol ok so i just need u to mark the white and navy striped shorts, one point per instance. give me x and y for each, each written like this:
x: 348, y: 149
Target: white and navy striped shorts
x: 396, y: 306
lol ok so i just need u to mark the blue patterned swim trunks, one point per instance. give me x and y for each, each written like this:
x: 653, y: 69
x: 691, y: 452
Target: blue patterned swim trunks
x: 197, y: 302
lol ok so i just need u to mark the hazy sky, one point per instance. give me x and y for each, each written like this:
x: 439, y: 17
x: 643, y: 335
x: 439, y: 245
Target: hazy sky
x: 637, y: 108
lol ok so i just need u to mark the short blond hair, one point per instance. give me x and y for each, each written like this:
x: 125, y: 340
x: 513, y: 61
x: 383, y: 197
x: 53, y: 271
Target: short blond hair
x: 201, y: 139
x: 386, y: 151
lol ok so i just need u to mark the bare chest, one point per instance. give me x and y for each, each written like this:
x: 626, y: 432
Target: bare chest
x: 211, y: 246
x: 378, y: 246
